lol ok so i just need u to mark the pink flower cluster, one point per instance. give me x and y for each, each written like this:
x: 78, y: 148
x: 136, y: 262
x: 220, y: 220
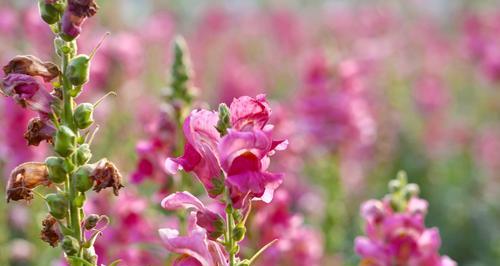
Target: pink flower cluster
x: 243, y: 154
x: 399, y: 238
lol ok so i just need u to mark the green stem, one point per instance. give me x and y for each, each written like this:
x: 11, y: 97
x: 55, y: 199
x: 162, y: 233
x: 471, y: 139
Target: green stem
x: 67, y: 120
x: 230, y: 240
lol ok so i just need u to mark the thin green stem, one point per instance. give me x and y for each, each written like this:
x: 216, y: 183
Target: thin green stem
x: 230, y: 240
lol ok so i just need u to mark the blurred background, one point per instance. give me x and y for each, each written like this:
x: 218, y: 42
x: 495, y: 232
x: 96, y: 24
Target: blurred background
x: 361, y: 89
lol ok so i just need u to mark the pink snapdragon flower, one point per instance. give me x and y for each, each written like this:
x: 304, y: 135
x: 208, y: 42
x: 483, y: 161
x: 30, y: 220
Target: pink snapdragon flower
x: 243, y: 154
x: 399, y: 238
x: 195, y: 248
x: 28, y: 91
x: 212, y: 222
x: 200, y: 151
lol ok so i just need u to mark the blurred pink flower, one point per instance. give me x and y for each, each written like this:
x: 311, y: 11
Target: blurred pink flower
x: 398, y: 238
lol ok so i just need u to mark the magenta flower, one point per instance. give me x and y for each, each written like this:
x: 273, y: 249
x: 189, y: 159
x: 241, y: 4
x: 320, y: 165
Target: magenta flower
x: 244, y: 158
x: 205, y: 218
x: 249, y: 113
x: 28, y: 91
x: 195, y: 248
x: 242, y: 154
x: 399, y: 238
x: 200, y: 151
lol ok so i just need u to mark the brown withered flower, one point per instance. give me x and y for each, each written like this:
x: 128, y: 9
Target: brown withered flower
x: 24, y: 178
x: 32, y: 66
x: 83, y: 8
x: 50, y: 231
x: 105, y: 174
x: 38, y: 131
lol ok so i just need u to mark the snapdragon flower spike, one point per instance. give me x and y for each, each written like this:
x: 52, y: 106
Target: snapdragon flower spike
x: 195, y: 248
x: 212, y: 222
x: 399, y: 238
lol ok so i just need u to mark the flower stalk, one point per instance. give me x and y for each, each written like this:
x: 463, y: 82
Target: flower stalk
x: 62, y: 123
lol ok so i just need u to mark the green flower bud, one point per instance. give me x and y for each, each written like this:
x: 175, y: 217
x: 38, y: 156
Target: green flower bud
x: 239, y: 233
x: 70, y: 245
x: 83, y: 154
x: 224, y: 123
x: 84, y: 115
x: 57, y: 204
x: 82, y: 179
x: 394, y: 185
x: 55, y: 165
x: 64, y: 143
x: 91, y: 221
x: 49, y: 12
x: 77, y: 70
x: 412, y: 190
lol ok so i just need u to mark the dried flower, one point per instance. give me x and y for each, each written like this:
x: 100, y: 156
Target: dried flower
x: 50, y: 231
x: 39, y: 130
x: 32, y: 66
x: 24, y: 178
x: 105, y: 174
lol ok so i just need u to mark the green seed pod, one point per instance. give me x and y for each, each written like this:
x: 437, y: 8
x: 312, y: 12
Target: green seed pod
x: 64, y: 143
x: 55, y: 165
x: 83, y: 154
x: 70, y: 245
x: 84, y: 115
x: 49, y: 13
x: 57, y: 205
x: 394, y: 185
x: 239, y: 233
x: 82, y: 179
x: 78, y: 70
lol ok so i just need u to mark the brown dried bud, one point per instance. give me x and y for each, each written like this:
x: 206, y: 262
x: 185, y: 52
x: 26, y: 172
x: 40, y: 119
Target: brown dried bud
x: 105, y: 174
x: 83, y: 8
x: 38, y: 131
x: 50, y: 231
x: 24, y: 178
x: 32, y: 66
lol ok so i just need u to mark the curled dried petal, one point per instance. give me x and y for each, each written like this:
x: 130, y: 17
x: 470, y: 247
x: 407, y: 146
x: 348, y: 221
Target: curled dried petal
x: 24, y: 178
x: 32, y: 66
x: 105, y: 174
x: 83, y: 8
x: 50, y: 231
x: 38, y: 131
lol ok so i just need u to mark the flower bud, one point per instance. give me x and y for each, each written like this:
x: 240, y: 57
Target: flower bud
x: 55, y: 165
x: 394, y: 185
x: 49, y: 12
x: 82, y: 179
x: 412, y: 189
x: 84, y: 115
x: 239, y: 232
x: 224, y: 123
x: 64, y: 143
x: 83, y: 154
x: 58, y: 205
x: 70, y: 245
x: 78, y: 70
x: 91, y: 221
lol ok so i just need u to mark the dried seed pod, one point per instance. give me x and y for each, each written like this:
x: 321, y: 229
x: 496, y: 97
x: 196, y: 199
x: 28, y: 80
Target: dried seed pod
x: 32, y: 66
x: 38, y: 131
x: 105, y: 174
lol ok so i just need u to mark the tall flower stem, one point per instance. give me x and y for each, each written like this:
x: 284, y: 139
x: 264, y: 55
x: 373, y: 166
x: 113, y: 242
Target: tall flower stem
x: 230, y: 243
